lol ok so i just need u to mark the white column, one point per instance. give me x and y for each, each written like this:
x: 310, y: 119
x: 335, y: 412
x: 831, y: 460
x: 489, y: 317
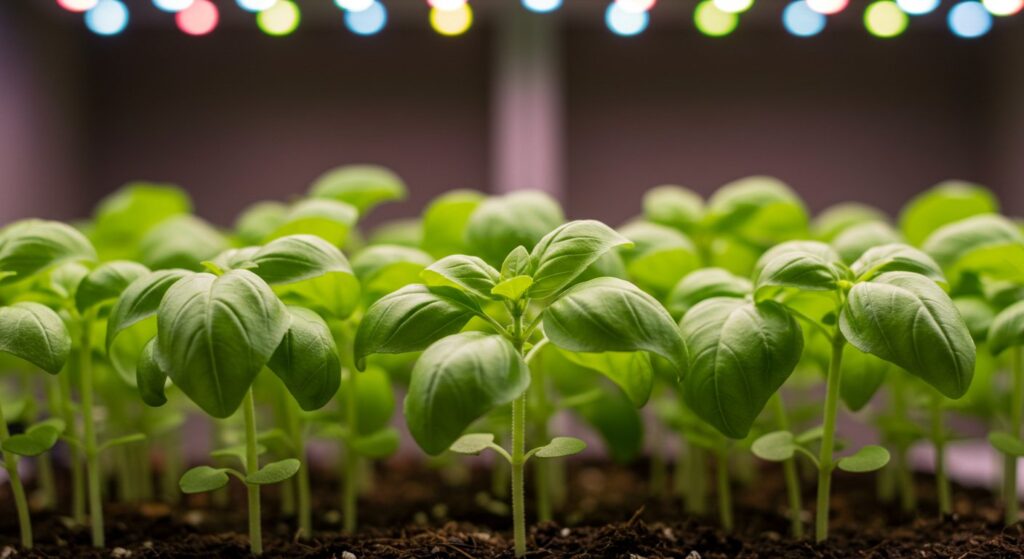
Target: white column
x: 526, y: 104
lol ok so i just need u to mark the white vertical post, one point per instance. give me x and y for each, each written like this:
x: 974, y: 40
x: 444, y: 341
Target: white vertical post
x: 526, y: 111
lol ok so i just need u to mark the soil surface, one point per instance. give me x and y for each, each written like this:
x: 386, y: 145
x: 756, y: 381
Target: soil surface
x: 414, y: 512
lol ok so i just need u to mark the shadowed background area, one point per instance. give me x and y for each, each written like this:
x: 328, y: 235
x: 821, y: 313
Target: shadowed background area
x: 238, y: 116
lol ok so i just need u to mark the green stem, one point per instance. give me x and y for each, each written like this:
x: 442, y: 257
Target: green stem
x: 1016, y: 416
x: 92, y: 452
x: 828, y: 439
x: 904, y: 475
x: 796, y: 525
x: 939, y: 441
x: 20, y: 501
x: 696, y: 496
x: 542, y: 468
x: 518, y: 461
x: 74, y: 452
x: 171, y: 471
x: 252, y: 465
x: 351, y: 491
x: 658, y: 486
x: 303, y: 500
x: 724, y: 491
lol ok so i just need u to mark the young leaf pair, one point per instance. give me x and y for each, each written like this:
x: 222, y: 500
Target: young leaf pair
x: 217, y: 331
x: 889, y: 304
x: 532, y: 301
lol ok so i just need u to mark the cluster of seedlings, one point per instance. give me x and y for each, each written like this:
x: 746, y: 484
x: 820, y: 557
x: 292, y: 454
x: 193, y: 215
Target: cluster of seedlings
x: 494, y: 314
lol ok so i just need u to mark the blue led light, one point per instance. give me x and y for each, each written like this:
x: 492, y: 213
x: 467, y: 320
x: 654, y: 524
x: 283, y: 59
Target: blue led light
x: 542, y: 6
x: 108, y: 17
x: 625, y: 23
x: 969, y: 20
x: 369, y: 21
x: 800, y: 20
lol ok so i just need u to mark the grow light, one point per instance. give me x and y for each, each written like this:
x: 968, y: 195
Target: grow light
x: 255, y: 5
x: 885, y: 19
x: 77, y: 5
x: 447, y: 5
x: 917, y: 7
x: 828, y: 7
x: 369, y: 21
x: 734, y: 6
x: 969, y: 20
x: 173, y: 6
x: 712, y: 21
x: 625, y: 23
x: 802, y: 21
x: 199, y: 19
x: 1003, y: 7
x: 451, y: 22
x: 108, y: 17
x: 542, y: 6
x: 280, y: 19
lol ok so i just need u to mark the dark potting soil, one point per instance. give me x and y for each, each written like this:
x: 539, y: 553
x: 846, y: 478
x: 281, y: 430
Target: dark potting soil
x: 414, y: 513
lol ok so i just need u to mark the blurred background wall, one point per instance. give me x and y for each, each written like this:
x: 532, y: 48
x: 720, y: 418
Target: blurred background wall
x: 239, y: 116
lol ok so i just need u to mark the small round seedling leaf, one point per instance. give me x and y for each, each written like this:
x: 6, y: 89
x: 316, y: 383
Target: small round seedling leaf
x: 1007, y: 329
x: 473, y: 443
x: 182, y: 241
x: 501, y: 223
x: 106, y: 283
x: 444, y: 222
x: 33, y: 245
x: 275, y: 472
x: 202, y: 479
x: 944, y: 203
x: 1006, y: 443
x: 330, y: 220
x: 376, y: 445
x: 868, y: 459
x: 560, y: 446
x: 674, y: 206
x: 775, y: 446
x: 35, y: 441
x: 705, y: 284
x: 362, y: 186
x: 810, y: 435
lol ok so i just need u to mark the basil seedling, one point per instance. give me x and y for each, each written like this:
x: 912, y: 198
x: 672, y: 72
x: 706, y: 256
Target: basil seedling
x: 462, y: 376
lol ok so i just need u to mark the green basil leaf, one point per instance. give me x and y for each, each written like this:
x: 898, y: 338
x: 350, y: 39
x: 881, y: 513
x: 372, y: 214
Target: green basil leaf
x: 762, y: 211
x: 563, y: 254
x: 458, y: 380
x: 382, y: 269
x: 202, y: 479
x: 182, y: 241
x: 375, y: 401
x: 215, y: 335
x: 401, y: 232
x: 1007, y: 329
x: 307, y: 360
x: 473, y: 443
x: 977, y: 313
x: 1006, y: 443
x: 361, y: 186
x: 34, y: 245
x: 705, y: 284
x: 674, y: 206
x: 896, y: 258
x: 259, y: 220
x: 742, y: 353
x: 838, y: 218
x: 632, y: 371
x: 867, y: 459
x: 411, y: 319
x: 501, y: 223
x: 445, y: 220
x: 513, y: 289
x: 908, y: 320
x: 609, y: 314
x: 559, y: 447
x: 802, y: 265
x: 150, y: 379
x: 35, y: 333
x: 777, y: 446
x: 945, y: 203
x: 467, y: 273
x: 122, y: 218
x: 140, y: 300
x: 309, y: 271
x: 862, y: 376
x: 660, y: 257
x: 517, y: 263
x: 377, y: 445
x: 991, y: 245
x: 330, y: 220
x: 275, y: 472
x: 36, y: 439
x: 857, y: 239
x: 106, y: 283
